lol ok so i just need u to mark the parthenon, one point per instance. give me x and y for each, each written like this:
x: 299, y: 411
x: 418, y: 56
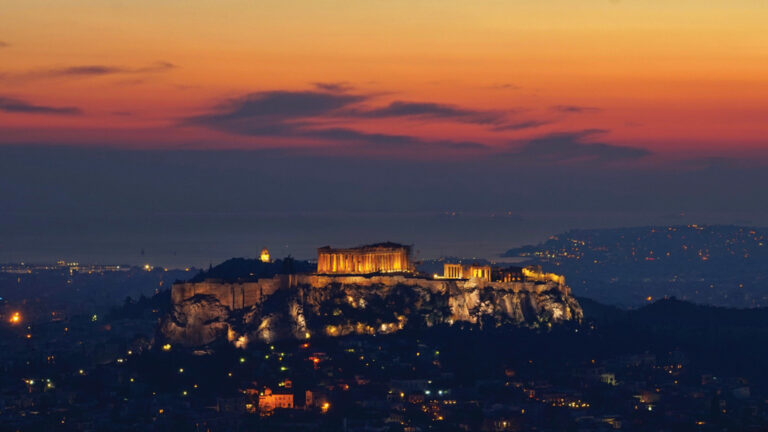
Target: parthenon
x: 375, y: 258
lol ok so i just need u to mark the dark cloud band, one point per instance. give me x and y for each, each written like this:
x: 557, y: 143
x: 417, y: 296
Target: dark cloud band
x: 13, y: 105
x: 85, y: 71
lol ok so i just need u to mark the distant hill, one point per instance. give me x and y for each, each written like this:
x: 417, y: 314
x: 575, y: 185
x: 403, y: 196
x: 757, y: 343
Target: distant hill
x: 721, y: 265
x: 732, y: 341
x: 594, y: 310
x: 672, y: 312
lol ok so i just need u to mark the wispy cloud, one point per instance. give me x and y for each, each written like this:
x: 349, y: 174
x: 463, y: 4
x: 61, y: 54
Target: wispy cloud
x: 430, y: 110
x: 95, y: 70
x: 329, y: 112
x: 572, y: 147
x: 506, y: 86
x: 13, y: 105
x: 273, y: 112
x: 529, y: 124
x: 305, y: 115
x: 575, y: 109
x: 4, y: 44
x: 337, y: 87
x: 89, y: 70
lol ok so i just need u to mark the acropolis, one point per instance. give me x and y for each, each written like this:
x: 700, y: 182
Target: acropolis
x: 391, y: 257
x: 375, y: 264
x: 371, y: 277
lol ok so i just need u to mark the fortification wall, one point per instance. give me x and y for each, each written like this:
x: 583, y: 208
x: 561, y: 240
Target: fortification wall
x: 232, y: 295
x: 246, y: 294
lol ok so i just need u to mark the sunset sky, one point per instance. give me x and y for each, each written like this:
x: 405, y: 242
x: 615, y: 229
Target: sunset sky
x: 652, y: 105
x: 673, y: 77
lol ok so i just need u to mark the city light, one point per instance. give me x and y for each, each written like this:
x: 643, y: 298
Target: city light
x: 15, y: 318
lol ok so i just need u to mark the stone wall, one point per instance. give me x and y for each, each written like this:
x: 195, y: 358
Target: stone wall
x: 232, y: 295
x: 246, y: 294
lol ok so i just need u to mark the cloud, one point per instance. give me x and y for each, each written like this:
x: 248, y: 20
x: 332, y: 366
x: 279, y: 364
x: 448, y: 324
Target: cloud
x: 506, y: 86
x: 161, y: 66
x: 336, y: 87
x: 321, y: 115
x: 529, y: 124
x: 90, y: 70
x: 389, y: 141
x: 12, y: 105
x: 574, y: 109
x: 570, y: 147
x: 432, y: 111
x: 84, y: 71
x: 273, y: 113
x: 4, y: 44
x: 305, y: 115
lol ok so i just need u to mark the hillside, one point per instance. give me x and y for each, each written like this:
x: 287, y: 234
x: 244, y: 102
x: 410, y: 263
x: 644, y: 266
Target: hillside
x: 722, y: 265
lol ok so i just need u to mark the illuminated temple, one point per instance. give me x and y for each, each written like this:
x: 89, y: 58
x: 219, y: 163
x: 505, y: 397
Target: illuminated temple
x: 375, y: 258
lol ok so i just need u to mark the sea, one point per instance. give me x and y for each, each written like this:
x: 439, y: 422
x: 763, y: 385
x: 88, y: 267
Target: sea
x: 178, y: 240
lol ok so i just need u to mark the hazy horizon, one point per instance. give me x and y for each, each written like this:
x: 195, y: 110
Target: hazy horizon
x: 182, y: 240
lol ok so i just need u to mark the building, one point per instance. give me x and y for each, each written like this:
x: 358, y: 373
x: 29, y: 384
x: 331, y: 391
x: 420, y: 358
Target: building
x: 460, y: 271
x: 269, y: 401
x: 264, y: 257
x: 375, y: 258
x: 498, y: 274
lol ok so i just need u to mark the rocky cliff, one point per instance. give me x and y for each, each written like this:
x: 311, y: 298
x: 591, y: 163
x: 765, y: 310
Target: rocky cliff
x: 303, y: 306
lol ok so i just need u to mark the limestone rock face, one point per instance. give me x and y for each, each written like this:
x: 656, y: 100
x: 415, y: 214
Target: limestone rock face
x: 336, y: 306
x: 196, y: 321
x: 506, y: 307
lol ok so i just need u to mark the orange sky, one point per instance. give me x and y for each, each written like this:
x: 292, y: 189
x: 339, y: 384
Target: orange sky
x: 675, y: 77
